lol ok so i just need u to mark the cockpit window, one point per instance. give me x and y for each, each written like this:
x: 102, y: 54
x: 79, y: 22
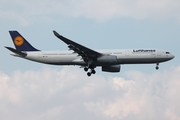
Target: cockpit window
x: 167, y: 52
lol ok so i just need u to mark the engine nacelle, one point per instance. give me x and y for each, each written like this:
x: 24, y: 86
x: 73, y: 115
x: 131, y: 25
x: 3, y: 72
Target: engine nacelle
x: 107, y: 59
x: 111, y: 68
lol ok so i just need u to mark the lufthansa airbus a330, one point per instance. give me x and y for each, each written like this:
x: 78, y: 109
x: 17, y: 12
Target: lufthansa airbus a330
x: 109, y: 60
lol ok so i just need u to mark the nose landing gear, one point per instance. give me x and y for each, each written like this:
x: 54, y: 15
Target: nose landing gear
x: 157, y: 66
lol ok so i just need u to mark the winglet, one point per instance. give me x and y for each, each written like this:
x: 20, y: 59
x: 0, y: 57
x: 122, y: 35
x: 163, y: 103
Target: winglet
x: 58, y: 35
x: 55, y: 33
x: 67, y: 41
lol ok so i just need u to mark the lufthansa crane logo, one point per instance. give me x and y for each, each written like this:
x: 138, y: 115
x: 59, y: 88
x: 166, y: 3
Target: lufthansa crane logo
x: 18, y: 41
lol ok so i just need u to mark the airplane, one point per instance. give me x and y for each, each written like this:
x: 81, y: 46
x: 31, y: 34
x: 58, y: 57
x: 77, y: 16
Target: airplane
x: 108, y: 60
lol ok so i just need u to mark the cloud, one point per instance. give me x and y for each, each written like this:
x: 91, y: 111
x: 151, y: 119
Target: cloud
x: 26, y: 13
x: 69, y: 94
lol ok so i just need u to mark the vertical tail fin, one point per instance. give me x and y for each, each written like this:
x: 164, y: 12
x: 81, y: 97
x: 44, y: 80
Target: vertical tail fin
x: 20, y: 42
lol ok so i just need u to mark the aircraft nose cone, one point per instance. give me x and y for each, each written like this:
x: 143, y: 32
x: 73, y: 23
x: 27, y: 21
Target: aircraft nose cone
x: 172, y: 56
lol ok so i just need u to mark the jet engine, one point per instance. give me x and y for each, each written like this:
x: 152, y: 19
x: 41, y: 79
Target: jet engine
x: 111, y: 68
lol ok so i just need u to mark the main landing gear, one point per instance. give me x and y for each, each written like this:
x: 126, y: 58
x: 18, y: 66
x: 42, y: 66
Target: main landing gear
x: 157, y: 66
x: 92, y: 71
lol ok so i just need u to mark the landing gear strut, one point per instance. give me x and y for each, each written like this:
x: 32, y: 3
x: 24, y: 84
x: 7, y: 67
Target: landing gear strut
x: 157, y: 66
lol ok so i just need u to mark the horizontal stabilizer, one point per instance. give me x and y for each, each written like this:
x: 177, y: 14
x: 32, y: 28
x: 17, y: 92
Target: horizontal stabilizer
x: 23, y: 54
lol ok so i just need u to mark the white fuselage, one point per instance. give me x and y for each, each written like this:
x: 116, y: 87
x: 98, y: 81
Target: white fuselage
x: 127, y: 56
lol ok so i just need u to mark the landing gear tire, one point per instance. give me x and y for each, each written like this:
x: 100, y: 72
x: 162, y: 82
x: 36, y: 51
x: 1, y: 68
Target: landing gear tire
x: 93, y: 72
x: 157, y: 67
x: 89, y: 74
x: 86, y: 69
x: 90, y: 70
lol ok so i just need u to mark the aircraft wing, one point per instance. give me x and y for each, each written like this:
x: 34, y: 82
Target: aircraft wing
x: 81, y: 50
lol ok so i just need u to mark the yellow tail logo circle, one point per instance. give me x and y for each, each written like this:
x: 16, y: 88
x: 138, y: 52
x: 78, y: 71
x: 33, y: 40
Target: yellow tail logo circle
x: 18, y: 41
